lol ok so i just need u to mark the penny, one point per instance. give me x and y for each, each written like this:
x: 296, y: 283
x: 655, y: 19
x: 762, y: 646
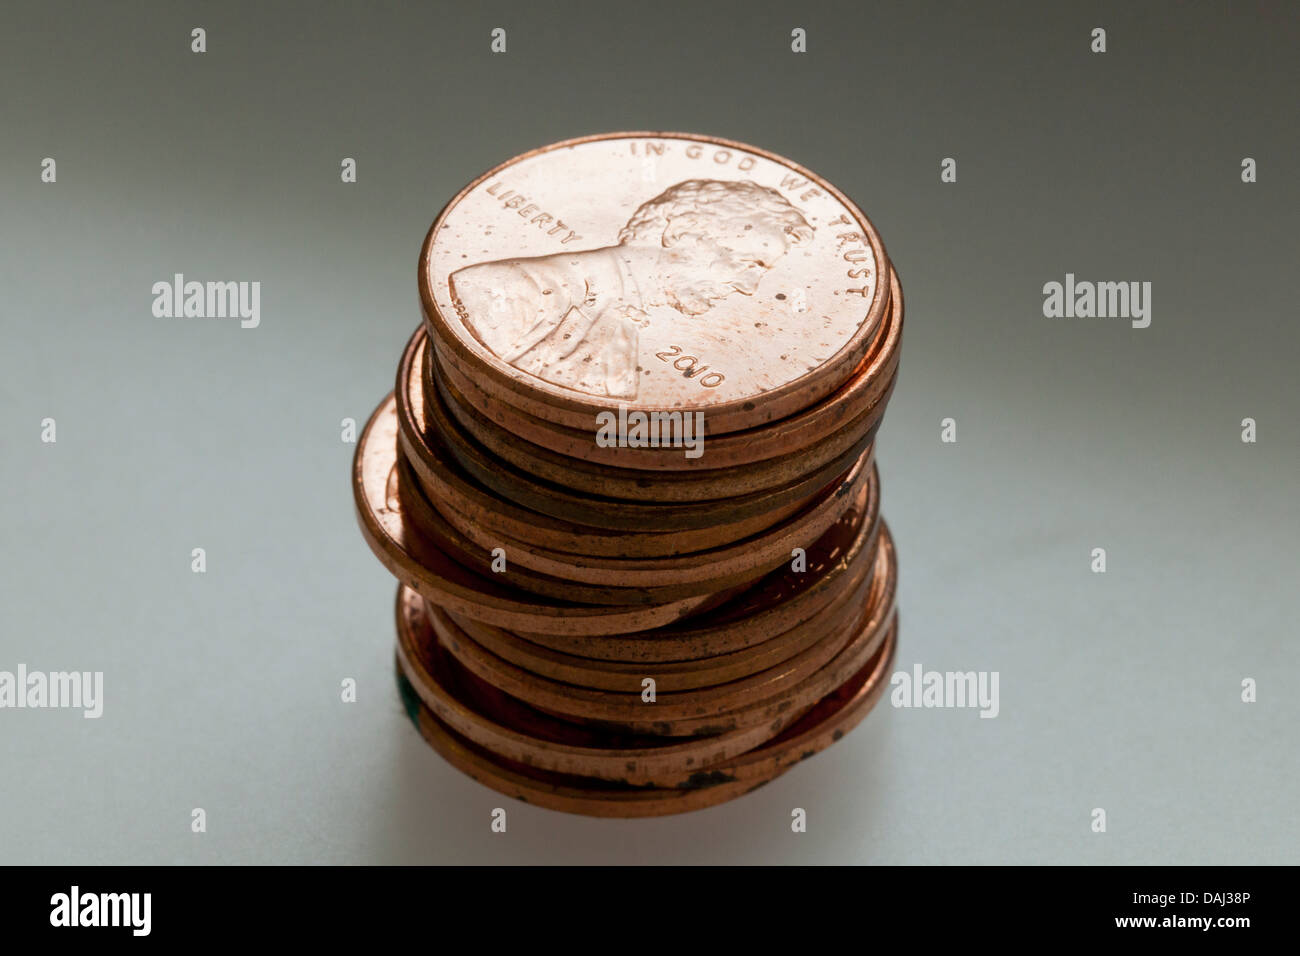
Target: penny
x: 581, y: 502
x: 634, y: 268
x: 636, y: 580
x: 567, y: 794
x: 581, y: 463
x: 848, y: 410
x: 627, y: 480
x: 827, y: 722
x: 435, y: 685
x: 625, y: 758
x: 417, y: 563
x: 730, y: 707
x: 487, y: 516
x: 429, y: 522
x: 491, y: 521
x: 485, y: 449
x: 708, y: 570
x: 670, y: 675
x: 783, y: 599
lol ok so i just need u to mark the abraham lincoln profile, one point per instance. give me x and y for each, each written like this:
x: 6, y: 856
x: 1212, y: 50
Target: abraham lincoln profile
x: 572, y: 318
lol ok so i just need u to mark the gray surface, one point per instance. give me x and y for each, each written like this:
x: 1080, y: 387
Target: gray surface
x: 1118, y: 691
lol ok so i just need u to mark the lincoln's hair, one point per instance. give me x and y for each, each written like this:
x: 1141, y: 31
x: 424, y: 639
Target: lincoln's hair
x: 702, y: 202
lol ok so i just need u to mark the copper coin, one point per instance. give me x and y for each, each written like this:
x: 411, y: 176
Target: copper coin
x: 527, y: 735
x: 428, y: 521
x: 810, y: 437
x: 638, y: 580
x: 737, y: 705
x: 708, y: 570
x: 513, y: 730
x: 417, y: 563
x: 577, y: 795
x: 670, y: 675
x: 471, y: 427
x: 825, y: 723
x: 781, y: 600
x: 661, y: 270
x: 673, y: 511
x: 491, y: 522
x: 487, y: 516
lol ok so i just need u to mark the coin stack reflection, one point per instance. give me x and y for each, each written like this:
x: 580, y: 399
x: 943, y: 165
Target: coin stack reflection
x: 626, y: 478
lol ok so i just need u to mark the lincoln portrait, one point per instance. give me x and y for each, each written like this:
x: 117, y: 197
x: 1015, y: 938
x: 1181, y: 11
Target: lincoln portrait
x: 572, y: 318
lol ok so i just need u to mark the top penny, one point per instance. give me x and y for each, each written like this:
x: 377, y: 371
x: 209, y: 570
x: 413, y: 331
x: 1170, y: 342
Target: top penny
x: 656, y: 271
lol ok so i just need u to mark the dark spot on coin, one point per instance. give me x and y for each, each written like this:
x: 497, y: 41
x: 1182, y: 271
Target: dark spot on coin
x: 712, y: 731
x: 781, y: 296
x: 837, y: 735
x: 707, y: 778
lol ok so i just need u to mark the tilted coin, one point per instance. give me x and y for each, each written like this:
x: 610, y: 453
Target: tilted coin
x: 416, y: 562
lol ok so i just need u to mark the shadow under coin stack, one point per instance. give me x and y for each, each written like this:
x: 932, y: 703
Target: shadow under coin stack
x: 626, y: 478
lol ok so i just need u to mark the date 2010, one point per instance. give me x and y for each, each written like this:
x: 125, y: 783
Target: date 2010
x: 689, y: 366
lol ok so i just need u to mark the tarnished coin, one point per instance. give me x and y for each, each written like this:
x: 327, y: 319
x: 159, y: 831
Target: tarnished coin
x: 826, y: 722
x: 669, y: 676
x: 781, y: 600
x: 522, y: 736
x: 662, y: 271
x: 736, y: 705
x: 568, y: 794
x: 495, y: 720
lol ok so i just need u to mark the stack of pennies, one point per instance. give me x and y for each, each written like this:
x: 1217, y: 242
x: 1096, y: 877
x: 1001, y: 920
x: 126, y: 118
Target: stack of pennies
x: 627, y: 480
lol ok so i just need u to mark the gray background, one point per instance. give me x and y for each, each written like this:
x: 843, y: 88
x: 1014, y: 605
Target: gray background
x: 1119, y: 691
